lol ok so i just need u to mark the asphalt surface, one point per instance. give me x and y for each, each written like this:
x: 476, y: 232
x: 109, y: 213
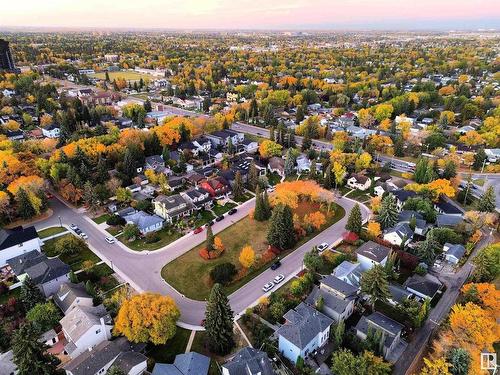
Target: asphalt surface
x: 142, y: 270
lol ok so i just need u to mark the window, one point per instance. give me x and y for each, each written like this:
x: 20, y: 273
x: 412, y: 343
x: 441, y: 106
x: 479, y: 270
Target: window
x: 98, y: 331
x: 21, y: 244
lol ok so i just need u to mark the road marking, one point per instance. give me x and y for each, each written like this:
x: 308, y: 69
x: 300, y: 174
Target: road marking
x: 433, y: 321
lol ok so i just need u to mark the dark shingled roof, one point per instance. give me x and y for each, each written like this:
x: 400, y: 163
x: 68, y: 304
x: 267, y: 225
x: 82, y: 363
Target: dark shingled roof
x: 423, y: 285
x: 47, y: 270
x: 373, y: 251
x: 20, y: 263
x: 16, y: 236
x: 340, y: 286
x: 249, y: 361
x: 381, y: 322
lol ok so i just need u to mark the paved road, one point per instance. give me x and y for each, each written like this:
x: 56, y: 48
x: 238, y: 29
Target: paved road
x: 143, y: 269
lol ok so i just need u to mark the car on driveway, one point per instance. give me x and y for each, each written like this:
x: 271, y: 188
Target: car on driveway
x: 268, y: 286
x: 278, y: 279
x: 323, y: 246
x: 219, y: 218
x: 84, y: 236
x: 198, y: 230
x: 73, y: 227
x: 276, y: 265
x: 232, y: 211
x: 110, y: 240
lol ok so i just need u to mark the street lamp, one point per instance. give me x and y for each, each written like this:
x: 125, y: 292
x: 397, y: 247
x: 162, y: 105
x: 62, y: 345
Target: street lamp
x: 60, y: 222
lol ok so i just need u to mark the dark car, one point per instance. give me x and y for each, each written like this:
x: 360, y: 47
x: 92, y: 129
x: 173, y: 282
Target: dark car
x: 232, y: 211
x: 276, y: 265
x: 210, y: 223
x: 219, y: 218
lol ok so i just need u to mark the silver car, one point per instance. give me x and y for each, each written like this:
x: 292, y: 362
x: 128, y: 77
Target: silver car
x: 268, y: 286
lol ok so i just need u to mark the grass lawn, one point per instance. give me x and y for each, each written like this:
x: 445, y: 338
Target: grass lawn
x: 114, y: 230
x: 479, y: 181
x: 12, y: 293
x: 220, y: 210
x: 204, y: 217
x: 101, y: 219
x: 244, y: 198
x: 189, y: 273
x: 75, y: 261
x: 166, y: 353
x: 128, y: 75
x: 167, y: 235
x: 51, y: 231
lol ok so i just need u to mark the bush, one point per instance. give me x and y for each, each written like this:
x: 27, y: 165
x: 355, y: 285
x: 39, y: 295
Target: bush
x: 115, y: 220
x: 420, y: 270
x: 151, y: 237
x: 214, y: 254
x: 70, y: 245
x: 223, y: 273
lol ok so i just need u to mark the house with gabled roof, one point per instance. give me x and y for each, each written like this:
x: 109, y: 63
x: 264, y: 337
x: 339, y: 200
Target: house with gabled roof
x: 48, y: 274
x: 423, y: 286
x: 199, y: 198
x: 359, y: 181
x: 145, y: 222
x: 17, y: 241
x: 190, y: 363
x: 349, y: 272
x: 370, y: 254
x: 172, y: 207
x: 248, y: 361
x: 400, y: 235
x: 71, y: 295
x: 453, y: 252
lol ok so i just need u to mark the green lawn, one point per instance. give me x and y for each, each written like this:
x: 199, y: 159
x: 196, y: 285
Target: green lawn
x: 114, y: 230
x: 247, y: 196
x: 202, y: 218
x: 189, y: 273
x: 167, y: 235
x: 220, y: 210
x: 74, y: 261
x: 128, y: 75
x: 101, y: 219
x: 51, y: 231
x: 166, y: 353
x: 199, y: 347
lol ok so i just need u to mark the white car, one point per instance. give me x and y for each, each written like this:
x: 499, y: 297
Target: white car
x: 84, y: 236
x: 270, y: 189
x: 268, y: 286
x: 73, y: 227
x: 110, y: 240
x: 323, y: 246
x: 278, y: 279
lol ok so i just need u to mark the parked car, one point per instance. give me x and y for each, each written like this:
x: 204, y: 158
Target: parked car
x: 110, y: 240
x: 268, y: 286
x: 84, y: 236
x: 73, y: 227
x: 78, y: 231
x: 323, y: 246
x: 278, y: 279
x: 211, y: 222
x: 232, y: 211
x: 276, y: 265
x: 219, y: 218
x: 198, y: 230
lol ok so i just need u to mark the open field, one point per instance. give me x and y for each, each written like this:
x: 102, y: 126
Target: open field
x: 128, y: 75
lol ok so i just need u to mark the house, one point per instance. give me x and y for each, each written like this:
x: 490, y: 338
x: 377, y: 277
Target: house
x: 399, y: 235
x: 145, y: 222
x: 155, y: 163
x: 202, y: 144
x: 453, y: 253
x: 448, y: 208
x: 305, y: 330
x: 17, y: 241
x: 370, y: 254
x: 199, y: 198
x: 48, y: 274
x: 176, y: 183
x: 190, y: 363
x: 15, y: 135
x: 217, y: 187
x: 172, y: 207
x: 391, y: 332
x: 248, y: 361
x: 51, y: 131
x: 22, y: 262
x: 84, y: 327
x: 221, y: 138
x: 447, y: 220
x: 348, y: 272
x: 70, y: 296
x: 358, y: 181
x: 119, y: 352
x: 402, y: 195
x: 194, y: 178
x: 248, y: 146
x: 338, y: 298
x: 398, y: 294
x: 423, y: 286
x: 276, y: 165
x: 303, y: 163
x: 421, y: 226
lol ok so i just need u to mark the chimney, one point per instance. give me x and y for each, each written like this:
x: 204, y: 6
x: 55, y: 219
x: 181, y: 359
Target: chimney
x: 104, y: 330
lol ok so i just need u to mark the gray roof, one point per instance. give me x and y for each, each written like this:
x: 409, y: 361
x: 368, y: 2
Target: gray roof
x: 379, y: 321
x: 423, y: 285
x: 190, y: 363
x: 406, y: 215
x: 457, y: 251
x: 249, y: 361
x: 373, y: 251
x: 445, y: 220
x: 47, y: 270
x: 331, y: 301
x: 402, y: 230
x: 80, y: 319
x: 20, y: 263
x: 16, y: 236
x: 398, y: 293
x: 143, y: 220
x: 68, y: 293
x: 303, y: 324
x: 128, y: 360
x: 339, y: 286
x: 348, y: 270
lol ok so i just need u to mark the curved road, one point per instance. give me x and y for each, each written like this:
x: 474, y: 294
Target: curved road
x: 142, y: 270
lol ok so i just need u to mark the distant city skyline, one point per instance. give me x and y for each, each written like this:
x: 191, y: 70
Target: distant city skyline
x: 255, y: 14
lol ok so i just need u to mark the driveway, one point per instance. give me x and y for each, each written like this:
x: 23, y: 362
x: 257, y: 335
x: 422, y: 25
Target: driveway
x: 142, y: 270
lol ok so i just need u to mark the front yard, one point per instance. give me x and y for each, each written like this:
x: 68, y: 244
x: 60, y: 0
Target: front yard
x: 101, y: 219
x: 166, y: 236
x: 47, y: 232
x: 189, y: 273
x: 222, y: 209
x: 73, y: 260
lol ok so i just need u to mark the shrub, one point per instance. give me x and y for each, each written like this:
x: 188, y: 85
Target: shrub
x: 223, y: 273
x: 420, y: 270
x: 115, y: 220
x: 151, y: 237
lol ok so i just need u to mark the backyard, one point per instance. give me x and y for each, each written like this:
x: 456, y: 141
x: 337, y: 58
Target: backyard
x: 166, y: 353
x: 189, y: 273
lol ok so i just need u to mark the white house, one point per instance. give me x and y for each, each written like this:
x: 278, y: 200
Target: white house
x: 360, y: 182
x: 305, y: 330
x: 17, y: 241
x: 72, y: 295
x: 51, y: 131
x: 84, y: 327
x: 398, y: 234
x: 453, y: 253
x: 370, y: 254
x: 348, y: 272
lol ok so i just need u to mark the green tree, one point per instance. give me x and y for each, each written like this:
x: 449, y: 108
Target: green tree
x: 344, y: 362
x: 90, y: 196
x: 354, y: 221
x: 450, y: 170
x: 487, y: 201
x: 423, y: 171
x: 24, y: 207
x: 374, y: 284
x: 313, y: 260
x: 487, y: 263
x: 131, y: 231
x: 115, y: 370
x: 289, y: 162
x: 338, y: 334
x: 30, y: 294
x: 238, y: 189
x: 388, y: 212
x: 266, y: 205
x: 209, y: 241
x: 428, y: 248
x: 219, y: 321
x: 253, y: 177
x: 44, y: 316
x: 281, y: 233
x: 69, y: 245
x: 479, y: 158
x: 460, y: 361
x: 327, y: 181
x: 29, y: 353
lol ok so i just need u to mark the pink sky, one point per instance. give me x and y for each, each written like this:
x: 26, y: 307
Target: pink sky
x: 250, y: 14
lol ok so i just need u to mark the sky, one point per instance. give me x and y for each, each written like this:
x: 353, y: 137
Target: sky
x: 253, y: 14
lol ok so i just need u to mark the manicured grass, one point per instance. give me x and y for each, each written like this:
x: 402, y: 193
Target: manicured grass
x: 199, y: 346
x: 167, y: 235
x: 51, y: 231
x: 128, y: 75
x: 189, y: 273
x: 166, y: 353
x: 114, y: 230
x: 244, y: 198
x: 220, y: 210
x: 101, y: 219
x: 204, y: 217
x: 74, y: 261
x: 11, y: 293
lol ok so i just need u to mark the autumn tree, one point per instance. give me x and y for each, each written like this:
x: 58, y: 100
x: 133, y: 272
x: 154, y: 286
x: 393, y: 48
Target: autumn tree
x: 436, y: 367
x: 373, y: 229
x: 355, y: 220
x: 315, y: 220
x: 219, y: 321
x: 374, y: 283
x: 147, y: 317
x: 363, y: 161
x: 270, y: 148
x: 339, y: 172
x: 247, y: 256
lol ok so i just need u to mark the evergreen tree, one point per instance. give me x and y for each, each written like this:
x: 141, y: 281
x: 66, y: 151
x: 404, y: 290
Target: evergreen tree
x: 115, y: 370
x: 299, y: 116
x: 427, y: 249
x: 271, y: 134
x: 313, y: 171
x: 355, y: 220
x: 450, y: 170
x: 29, y: 353
x: 374, y: 284
x: 487, y: 201
x: 107, y: 76
x: 289, y: 162
x: 422, y: 171
x: 230, y: 147
x: 281, y: 231
x: 147, y: 106
x: 238, y: 189
x: 165, y: 154
x: 262, y: 209
x: 219, y: 322
x: 30, y: 294
x: 24, y: 207
x: 306, y: 141
x: 460, y: 361
x: 102, y: 174
x: 152, y: 145
x: 266, y: 205
x: 388, y: 212
x: 399, y: 146
x: 253, y: 177
x: 338, y: 335
x: 129, y: 164
x: 209, y: 242
x: 89, y: 196
x: 479, y: 158
x: 327, y: 181
x: 290, y: 138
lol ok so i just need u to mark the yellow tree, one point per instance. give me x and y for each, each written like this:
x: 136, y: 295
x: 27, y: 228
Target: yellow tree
x: 373, y: 229
x: 375, y: 203
x: 147, y: 317
x: 247, y: 256
x: 270, y: 148
x: 471, y: 138
x: 383, y: 111
x: 363, y: 161
x: 339, y: 171
x: 437, y: 367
